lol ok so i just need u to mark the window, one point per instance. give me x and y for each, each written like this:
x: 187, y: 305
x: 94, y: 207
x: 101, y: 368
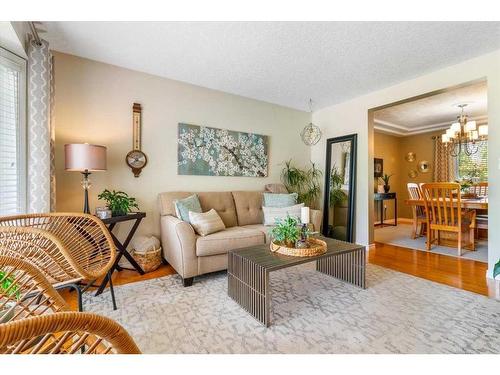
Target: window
x: 12, y: 133
x: 475, y: 166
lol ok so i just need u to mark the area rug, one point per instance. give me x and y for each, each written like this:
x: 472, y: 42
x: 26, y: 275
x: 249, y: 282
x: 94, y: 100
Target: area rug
x: 401, y: 236
x: 312, y: 313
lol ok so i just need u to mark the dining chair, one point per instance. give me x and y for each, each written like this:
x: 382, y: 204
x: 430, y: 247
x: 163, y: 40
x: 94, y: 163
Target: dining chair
x: 418, y: 212
x: 444, y: 213
x: 69, y: 248
x: 480, y: 189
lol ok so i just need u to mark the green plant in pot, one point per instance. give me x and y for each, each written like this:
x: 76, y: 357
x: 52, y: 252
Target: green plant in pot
x: 118, y: 202
x: 7, y: 286
x: 305, y: 182
x: 286, y: 232
x: 385, y: 178
x: 337, y: 194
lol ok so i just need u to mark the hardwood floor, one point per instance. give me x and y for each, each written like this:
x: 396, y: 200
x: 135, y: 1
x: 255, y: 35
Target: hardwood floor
x: 459, y: 273
x: 465, y: 274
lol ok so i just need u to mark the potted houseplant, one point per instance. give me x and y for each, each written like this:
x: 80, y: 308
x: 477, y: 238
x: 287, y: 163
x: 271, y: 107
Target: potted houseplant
x: 385, y: 178
x: 305, y: 182
x: 118, y: 202
x: 8, y: 287
x: 286, y: 232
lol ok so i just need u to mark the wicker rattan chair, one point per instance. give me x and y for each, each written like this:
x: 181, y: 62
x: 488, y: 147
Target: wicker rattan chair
x: 66, y: 333
x: 67, y: 247
x: 25, y: 292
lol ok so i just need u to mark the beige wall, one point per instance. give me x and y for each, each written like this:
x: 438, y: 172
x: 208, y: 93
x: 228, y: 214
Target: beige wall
x: 387, y: 147
x: 93, y: 104
x: 355, y: 116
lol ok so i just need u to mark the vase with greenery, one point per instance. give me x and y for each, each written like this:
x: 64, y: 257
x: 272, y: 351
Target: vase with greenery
x: 7, y: 286
x: 385, y: 179
x: 305, y: 182
x: 286, y: 232
x: 118, y: 202
x: 337, y: 194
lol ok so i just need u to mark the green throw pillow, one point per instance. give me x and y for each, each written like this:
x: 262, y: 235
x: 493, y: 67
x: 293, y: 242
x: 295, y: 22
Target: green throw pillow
x: 183, y: 206
x: 280, y: 200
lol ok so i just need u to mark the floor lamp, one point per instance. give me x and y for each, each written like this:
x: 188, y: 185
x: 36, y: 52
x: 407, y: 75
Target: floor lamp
x: 85, y: 158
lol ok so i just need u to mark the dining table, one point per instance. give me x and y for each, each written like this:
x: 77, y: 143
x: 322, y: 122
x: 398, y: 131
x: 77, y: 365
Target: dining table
x: 480, y: 203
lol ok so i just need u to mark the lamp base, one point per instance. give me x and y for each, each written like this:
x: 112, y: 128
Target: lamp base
x: 86, y: 185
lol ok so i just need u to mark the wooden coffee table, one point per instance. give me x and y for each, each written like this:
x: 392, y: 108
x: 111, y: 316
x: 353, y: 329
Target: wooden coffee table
x: 248, y: 272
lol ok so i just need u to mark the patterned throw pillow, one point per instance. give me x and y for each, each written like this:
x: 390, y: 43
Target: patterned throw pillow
x: 280, y: 200
x: 272, y: 214
x: 183, y: 206
x: 206, y: 222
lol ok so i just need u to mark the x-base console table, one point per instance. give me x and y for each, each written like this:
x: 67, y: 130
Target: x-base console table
x: 249, y: 268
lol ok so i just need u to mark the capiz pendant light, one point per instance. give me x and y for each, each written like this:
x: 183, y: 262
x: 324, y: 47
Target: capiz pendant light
x: 311, y: 134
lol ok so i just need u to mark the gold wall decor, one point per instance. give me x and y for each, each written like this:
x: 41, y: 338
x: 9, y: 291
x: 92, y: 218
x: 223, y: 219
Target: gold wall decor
x: 410, y: 157
x: 424, y: 166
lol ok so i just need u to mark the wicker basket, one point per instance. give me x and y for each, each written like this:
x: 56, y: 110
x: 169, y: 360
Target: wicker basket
x: 316, y: 247
x: 149, y: 260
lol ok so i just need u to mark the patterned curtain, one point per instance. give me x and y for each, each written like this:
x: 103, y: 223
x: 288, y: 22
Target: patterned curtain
x: 40, y: 143
x: 444, y: 170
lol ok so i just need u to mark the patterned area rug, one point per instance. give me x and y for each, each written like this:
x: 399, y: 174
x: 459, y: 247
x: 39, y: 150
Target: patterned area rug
x: 312, y: 313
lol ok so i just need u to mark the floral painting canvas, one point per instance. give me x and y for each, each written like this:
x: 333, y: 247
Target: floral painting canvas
x: 219, y: 152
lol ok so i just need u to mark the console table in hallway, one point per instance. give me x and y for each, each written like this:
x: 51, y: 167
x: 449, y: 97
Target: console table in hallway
x: 380, y: 198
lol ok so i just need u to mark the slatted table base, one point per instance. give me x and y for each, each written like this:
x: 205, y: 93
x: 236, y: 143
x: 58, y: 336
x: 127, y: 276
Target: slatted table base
x: 248, y: 282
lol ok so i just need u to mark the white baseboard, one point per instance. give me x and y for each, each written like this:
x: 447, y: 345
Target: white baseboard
x: 370, y: 247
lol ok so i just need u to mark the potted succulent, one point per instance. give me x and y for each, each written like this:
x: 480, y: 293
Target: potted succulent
x: 385, y: 178
x: 8, y: 287
x: 118, y: 202
x: 286, y: 232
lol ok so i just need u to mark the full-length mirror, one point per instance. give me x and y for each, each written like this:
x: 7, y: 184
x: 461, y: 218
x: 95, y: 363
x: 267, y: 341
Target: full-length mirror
x: 340, y: 187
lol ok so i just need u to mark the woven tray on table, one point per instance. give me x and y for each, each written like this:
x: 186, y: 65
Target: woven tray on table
x: 316, y: 247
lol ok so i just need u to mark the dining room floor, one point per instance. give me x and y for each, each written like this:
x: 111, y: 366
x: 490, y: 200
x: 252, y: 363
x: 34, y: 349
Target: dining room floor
x: 400, y: 235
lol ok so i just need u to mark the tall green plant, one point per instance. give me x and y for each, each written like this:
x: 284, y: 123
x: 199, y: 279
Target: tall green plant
x: 304, y: 182
x: 337, y: 194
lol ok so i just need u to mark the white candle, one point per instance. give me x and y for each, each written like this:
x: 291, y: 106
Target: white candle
x: 304, y: 215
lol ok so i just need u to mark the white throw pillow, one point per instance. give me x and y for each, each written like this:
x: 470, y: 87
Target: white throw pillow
x: 206, y: 222
x: 272, y: 214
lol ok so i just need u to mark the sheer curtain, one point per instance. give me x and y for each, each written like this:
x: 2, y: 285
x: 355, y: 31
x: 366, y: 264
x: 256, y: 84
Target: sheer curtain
x: 444, y: 170
x: 40, y: 129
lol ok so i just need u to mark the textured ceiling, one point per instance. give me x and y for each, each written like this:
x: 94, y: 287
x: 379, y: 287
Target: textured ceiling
x: 434, y: 112
x: 279, y: 62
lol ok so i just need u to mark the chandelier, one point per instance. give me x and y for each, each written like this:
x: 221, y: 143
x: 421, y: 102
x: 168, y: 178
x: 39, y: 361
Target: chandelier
x: 463, y: 135
x: 311, y: 134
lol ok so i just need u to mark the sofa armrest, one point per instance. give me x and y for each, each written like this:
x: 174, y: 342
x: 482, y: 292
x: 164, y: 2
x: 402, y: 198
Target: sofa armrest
x: 178, y: 240
x: 316, y: 216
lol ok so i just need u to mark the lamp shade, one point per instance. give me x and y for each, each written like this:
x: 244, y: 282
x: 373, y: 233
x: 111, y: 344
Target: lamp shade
x: 82, y: 157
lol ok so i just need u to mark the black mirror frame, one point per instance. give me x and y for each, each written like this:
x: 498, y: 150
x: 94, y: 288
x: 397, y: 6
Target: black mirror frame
x: 353, y: 138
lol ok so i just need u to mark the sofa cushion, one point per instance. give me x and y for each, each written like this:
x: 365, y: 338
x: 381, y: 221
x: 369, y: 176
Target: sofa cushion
x: 206, y: 223
x: 248, y: 207
x: 186, y: 205
x: 228, y: 239
x: 280, y: 200
x: 223, y: 203
x: 265, y: 229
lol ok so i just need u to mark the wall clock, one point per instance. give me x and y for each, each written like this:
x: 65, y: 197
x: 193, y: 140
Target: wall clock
x: 136, y: 159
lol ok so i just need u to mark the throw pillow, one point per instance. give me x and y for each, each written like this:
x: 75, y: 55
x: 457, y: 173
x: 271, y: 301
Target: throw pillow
x: 280, y: 200
x: 206, y: 222
x: 273, y: 214
x: 183, y: 206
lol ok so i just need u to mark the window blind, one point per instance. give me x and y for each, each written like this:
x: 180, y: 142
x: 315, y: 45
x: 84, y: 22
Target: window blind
x: 474, y: 166
x: 12, y: 177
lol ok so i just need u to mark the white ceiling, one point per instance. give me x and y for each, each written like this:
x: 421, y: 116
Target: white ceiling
x: 434, y: 112
x: 279, y: 62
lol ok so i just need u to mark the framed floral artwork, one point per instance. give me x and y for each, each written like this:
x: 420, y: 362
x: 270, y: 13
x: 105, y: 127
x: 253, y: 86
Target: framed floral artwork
x: 207, y: 151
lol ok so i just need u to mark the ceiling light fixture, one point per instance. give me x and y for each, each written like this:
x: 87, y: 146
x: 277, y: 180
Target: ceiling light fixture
x: 311, y: 134
x: 463, y: 134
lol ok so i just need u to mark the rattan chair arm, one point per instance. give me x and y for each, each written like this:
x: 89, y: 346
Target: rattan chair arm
x: 111, y: 332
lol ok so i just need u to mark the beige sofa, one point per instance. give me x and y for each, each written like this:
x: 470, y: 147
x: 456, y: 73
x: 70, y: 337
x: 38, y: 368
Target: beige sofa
x: 192, y: 255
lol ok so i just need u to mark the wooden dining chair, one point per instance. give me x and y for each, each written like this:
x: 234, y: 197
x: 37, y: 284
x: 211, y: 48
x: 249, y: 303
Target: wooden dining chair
x: 444, y: 213
x: 418, y: 212
x: 480, y: 189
